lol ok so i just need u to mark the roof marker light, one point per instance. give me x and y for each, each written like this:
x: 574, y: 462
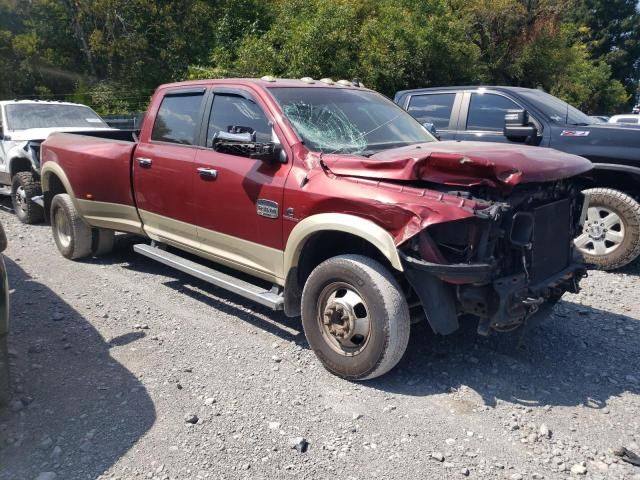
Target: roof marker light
x: 268, y: 78
x: 328, y: 81
x: 307, y: 80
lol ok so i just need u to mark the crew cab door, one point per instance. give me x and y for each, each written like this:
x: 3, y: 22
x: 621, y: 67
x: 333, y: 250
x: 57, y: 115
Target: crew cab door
x: 439, y: 108
x: 238, y: 200
x: 482, y: 116
x: 163, y: 167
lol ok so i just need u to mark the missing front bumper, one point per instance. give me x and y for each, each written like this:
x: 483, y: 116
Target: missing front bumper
x: 448, y: 291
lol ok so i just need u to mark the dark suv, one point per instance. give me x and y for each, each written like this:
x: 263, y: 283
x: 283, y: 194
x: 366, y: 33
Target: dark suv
x: 611, y: 234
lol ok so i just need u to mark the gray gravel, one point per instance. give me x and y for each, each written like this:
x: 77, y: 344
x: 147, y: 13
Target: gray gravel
x: 126, y: 369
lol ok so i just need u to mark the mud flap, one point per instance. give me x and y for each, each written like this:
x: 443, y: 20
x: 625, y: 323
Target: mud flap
x: 437, y: 298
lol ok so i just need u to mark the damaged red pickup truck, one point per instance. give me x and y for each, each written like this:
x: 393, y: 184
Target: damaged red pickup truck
x: 327, y: 201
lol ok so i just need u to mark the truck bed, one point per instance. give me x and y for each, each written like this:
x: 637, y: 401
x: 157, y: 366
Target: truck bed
x: 109, y: 154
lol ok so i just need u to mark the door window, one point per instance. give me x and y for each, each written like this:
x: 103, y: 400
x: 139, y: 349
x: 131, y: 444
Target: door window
x: 487, y: 111
x: 178, y: 118
x: 433, y: 108
x: 236, y: 114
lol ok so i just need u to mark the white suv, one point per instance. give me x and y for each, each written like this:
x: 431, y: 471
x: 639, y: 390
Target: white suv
x: 24, y: 124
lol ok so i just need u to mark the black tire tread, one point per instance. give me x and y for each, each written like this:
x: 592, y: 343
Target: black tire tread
x: 34, y: 212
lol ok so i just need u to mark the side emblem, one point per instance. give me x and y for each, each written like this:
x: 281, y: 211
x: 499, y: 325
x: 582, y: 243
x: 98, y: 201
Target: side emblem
x: 574, y: 133
x: 267, y: 208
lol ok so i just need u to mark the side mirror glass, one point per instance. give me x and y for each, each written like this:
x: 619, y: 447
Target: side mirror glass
x: 240, y: 137
x: 241, y: 141
x: 517, y: 126
x: 431, y: 128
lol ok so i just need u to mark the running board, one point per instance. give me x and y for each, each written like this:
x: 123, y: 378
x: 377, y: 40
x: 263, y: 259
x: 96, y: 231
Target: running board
x: 240, y: 287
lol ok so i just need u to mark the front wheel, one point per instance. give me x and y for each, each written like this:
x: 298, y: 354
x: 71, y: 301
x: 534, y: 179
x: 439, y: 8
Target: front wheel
x: 23, y: 188
x: 610, y: 237
x: 355, y: 317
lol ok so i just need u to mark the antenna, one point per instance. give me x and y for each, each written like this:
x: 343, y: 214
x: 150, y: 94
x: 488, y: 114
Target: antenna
x: 566, y: 120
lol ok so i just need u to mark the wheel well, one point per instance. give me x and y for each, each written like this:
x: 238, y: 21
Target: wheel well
x: 320, y: 247
x: 19, y: 164
x: 627, y: 182
x: 55, y: 186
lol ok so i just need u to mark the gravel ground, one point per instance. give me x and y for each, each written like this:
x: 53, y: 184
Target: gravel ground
x: 123, y: 368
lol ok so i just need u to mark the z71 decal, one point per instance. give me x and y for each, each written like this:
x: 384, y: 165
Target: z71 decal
x: 574, y: 133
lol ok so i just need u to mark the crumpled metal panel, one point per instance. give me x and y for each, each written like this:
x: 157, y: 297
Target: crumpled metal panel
x: 379, y: 188
x: 496, y: 165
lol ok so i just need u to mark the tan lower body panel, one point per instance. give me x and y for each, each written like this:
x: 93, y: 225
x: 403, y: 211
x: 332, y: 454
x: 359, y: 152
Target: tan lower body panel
x: 114, y: 216
x: 249, y: 257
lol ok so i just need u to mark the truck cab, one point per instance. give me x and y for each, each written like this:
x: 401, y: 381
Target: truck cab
x: 514, y: 115
x: 24, y: 124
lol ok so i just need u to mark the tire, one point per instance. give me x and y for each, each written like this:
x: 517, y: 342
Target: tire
x: 23, y: 188
x: 368, y: 337
x: 102, y: 241
x: 72, y: 235
x: 610, y: 238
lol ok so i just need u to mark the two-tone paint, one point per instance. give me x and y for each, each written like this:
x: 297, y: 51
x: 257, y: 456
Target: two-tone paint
x: 155, y: 188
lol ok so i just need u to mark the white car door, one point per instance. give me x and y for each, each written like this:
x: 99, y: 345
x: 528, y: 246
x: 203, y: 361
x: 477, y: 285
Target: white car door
x: 3, y: 152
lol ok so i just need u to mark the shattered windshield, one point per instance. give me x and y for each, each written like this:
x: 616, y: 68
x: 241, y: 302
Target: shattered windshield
x: 333, y: 120
x: 22, y: 116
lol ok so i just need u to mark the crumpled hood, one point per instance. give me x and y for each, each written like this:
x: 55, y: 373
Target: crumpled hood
x: 463, y: 164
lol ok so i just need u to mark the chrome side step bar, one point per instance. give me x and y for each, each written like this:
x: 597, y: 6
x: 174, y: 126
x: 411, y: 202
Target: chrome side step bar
x: 269, y: 298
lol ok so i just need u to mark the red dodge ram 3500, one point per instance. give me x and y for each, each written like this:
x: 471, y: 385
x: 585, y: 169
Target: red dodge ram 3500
x: 337, y: 203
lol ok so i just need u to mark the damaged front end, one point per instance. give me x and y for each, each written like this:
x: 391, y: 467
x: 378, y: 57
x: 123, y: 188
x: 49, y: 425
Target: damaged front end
x: 507, y: 265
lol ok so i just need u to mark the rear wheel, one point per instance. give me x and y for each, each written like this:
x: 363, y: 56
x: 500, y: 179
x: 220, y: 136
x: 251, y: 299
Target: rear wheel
x: 355, y: 317
x: 23, y: 188
x: 72, y: 235
x: 610, y: 238
x: 102, y: 242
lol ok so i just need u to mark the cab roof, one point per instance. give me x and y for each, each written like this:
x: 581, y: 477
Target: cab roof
x: 261, y: 82
x: 39, y: 102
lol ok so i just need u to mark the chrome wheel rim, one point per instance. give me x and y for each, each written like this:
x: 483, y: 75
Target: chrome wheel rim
x: 63, y: 228
x: 343, y: 318
x: 21, y: 199
x: 603, y: 232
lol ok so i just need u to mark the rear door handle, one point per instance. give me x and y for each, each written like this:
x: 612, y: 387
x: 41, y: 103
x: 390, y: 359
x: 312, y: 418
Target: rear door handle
x: 207, y: 172
x: 144, y: 162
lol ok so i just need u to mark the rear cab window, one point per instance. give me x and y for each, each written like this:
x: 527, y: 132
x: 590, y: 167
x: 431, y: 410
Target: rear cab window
x: 178, y: 118
x: 433, y: 108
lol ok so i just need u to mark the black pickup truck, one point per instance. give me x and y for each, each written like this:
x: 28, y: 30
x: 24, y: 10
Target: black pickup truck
x: 611, y: 234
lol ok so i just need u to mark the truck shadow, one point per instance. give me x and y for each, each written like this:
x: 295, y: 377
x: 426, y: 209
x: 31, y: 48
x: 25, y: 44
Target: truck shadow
x: 581, y: 355
x: 80, y: 410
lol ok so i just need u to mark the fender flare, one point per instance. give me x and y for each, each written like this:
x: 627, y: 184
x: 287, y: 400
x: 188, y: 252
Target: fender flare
x: 617, y: 168
x: 52, y: 168
x: 340, y: 222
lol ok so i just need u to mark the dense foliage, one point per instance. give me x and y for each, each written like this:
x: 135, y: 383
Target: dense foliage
x: 112, y: 53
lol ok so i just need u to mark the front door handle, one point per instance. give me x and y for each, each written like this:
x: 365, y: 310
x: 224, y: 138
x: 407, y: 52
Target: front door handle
x: 144, y: 162
x: 207, y: 172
